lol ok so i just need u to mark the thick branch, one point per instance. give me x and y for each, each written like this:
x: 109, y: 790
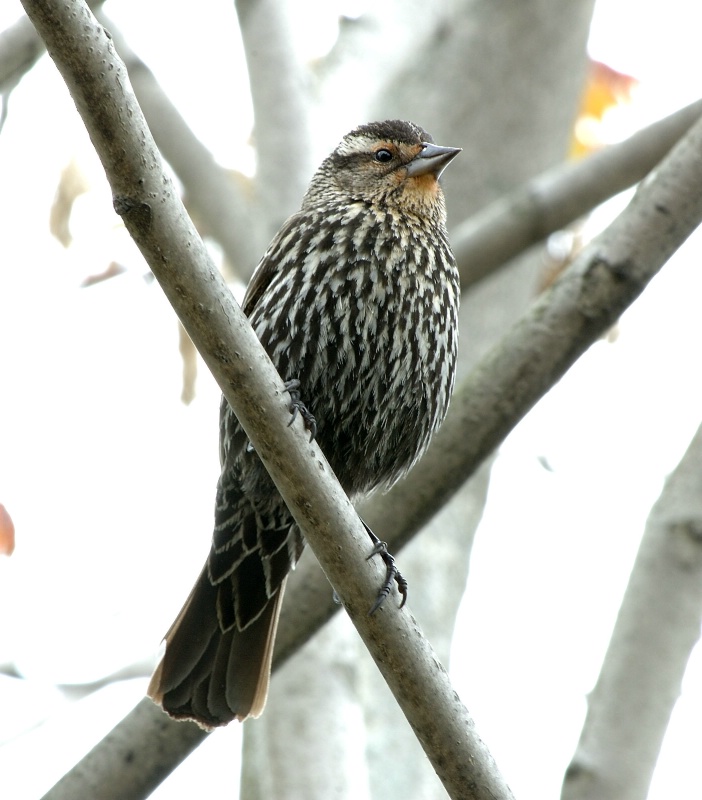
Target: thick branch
x: 154, y: 216
x: 657, y: 628
x: 278, y: 82
x: 20, y: 49
x: 213, y: 195
x: 558, y: 197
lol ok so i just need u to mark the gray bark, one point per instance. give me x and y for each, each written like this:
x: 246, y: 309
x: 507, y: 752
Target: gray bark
x: 657, y: 628
x: 280, y: 94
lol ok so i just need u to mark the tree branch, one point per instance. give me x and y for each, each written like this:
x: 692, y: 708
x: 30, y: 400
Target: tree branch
x: 20, y: 49
x: 155, y: 218
x: 657, y: 628
x: 213, y: 195
x: 556, y: 198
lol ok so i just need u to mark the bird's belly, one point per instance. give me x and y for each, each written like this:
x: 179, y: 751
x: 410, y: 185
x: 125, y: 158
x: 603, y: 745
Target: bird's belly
x: 374, y: 352
x: 374, y: 417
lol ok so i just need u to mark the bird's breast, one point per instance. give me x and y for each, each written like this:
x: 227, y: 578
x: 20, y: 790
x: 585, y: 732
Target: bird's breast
x: 371, y: 337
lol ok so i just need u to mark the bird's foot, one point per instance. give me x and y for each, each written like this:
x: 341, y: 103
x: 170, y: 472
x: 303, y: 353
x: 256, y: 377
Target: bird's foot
x: 298, y: 407
x: 392, y: 575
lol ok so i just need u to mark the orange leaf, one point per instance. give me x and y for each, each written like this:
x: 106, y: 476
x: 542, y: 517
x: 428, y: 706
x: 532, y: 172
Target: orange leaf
x: 7, y: 532
x: 605, y: 88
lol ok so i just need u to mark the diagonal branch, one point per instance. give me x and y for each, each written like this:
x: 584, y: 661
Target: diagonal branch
x: 279, y: 89
x: 213, y: 195
x: 656, y: 630
x: 556, y: 198
x: 145, y: 197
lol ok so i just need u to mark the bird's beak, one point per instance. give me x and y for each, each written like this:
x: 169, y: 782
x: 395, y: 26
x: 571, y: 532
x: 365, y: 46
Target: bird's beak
x: 433, y: 159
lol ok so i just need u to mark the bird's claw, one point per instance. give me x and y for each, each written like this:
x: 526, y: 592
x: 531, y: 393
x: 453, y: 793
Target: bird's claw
x: 292, y: 387
x: 392, y: 575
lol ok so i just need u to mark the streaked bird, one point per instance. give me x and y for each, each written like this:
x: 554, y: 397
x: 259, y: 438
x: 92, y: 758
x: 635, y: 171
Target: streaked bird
x: 356, y: 303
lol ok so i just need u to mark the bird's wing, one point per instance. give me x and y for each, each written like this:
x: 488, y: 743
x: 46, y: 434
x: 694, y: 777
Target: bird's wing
x: 266, y: 268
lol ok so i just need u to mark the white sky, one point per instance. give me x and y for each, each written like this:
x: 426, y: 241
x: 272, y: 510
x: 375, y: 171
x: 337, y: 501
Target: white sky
x: 90, y: 419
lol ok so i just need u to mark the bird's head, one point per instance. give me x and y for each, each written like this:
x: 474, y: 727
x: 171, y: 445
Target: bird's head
x: 393, y: 163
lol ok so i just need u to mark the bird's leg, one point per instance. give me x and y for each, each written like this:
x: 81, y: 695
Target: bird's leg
x: 292, y: 387
x: 296, y: 407
x: 393, y: 573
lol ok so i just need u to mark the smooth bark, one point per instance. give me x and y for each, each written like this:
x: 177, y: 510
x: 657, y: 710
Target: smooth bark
x: 656, y: 630
x: 558, y: 197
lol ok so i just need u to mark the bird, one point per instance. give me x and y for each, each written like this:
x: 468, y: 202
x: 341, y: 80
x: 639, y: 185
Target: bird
x: 356, y: 303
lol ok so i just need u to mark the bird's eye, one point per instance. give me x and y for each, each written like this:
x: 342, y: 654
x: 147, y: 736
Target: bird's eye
x: 383, y: 156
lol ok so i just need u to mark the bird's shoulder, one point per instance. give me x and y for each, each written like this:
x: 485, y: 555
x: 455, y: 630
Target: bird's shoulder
x: 268, y: 265
x: 313, y: 228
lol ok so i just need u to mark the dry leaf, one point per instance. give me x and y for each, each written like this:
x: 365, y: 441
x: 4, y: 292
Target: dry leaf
x: 7, y: 532
x: 71, y: 185
x: 605, y: 88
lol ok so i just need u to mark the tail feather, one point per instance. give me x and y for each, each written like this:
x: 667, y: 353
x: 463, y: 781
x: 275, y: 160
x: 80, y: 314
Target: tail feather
x: 213, y: 676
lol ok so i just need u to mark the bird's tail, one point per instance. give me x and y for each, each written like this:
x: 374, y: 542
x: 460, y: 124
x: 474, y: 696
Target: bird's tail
x: 212, y: 676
